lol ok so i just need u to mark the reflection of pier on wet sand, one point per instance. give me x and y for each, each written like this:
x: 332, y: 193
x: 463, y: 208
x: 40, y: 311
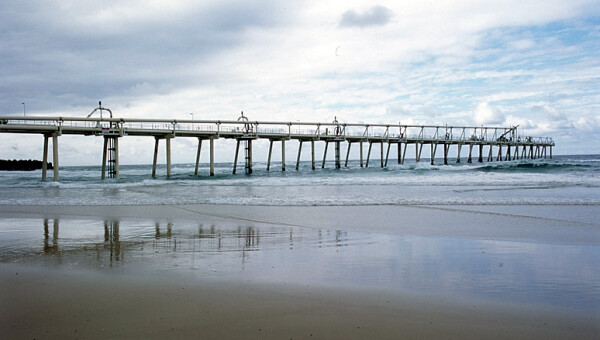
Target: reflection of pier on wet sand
x: 115, y: 247
x: 111, y: 242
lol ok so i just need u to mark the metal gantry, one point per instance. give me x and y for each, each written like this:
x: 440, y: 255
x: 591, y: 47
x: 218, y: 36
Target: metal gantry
x: 510, y: 145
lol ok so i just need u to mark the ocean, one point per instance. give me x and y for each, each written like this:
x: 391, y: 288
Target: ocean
x: 562, y: 180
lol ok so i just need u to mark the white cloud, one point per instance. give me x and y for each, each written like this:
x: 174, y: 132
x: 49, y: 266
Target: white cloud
x: 522, y: 44
x: 549, y: 112
x: 587, y: 124
x: 485, y: 114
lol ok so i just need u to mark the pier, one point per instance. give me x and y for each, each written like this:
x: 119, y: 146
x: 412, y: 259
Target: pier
x: 490, y: 143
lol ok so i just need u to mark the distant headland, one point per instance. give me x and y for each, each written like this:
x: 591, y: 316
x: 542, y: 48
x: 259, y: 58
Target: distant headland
x: 21, y: 165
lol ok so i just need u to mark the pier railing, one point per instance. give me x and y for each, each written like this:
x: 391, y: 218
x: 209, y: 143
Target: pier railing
x: 268, y: 129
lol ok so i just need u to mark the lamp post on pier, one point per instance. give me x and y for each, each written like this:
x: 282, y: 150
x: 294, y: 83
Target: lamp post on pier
x: 23, y: 109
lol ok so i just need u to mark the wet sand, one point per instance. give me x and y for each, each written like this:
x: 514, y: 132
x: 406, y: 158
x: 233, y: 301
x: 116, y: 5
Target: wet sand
x: 62, y: 301
x: 544, y: 223
x: 41, y: 303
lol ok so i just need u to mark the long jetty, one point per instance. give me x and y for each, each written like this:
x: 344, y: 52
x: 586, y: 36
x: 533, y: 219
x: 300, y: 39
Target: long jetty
x: 506, y: 141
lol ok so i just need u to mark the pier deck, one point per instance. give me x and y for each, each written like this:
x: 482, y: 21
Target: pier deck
x: 245, y: 131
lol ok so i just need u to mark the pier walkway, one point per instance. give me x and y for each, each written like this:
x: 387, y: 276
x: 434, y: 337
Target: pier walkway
x: 502, y: 143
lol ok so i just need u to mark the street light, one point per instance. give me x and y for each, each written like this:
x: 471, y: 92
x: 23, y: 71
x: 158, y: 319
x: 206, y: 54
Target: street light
x: 23, y: 109
x: 192, y: 114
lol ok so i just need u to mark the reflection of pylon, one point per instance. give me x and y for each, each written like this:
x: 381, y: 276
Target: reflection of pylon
x: 111, y: 239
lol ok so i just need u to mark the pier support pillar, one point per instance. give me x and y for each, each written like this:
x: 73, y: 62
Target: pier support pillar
x: 45, y: 158
x: 490, y: 158
x: 446, y: 147
x: 347, y: 154
x: 235, y: 157
x: 369, y: 154
x: 248, y: 158
x: 545, y: 151
x: 270, y: 152
x: 337, y: 155
x: 399, y: 153
x: 531, y: 156
x: 168, y: 155
x: 499, y: 156
x: 116, y: 157
x: 360, y: 150
x: 387, y: 153
x: 470, y: 159
x: 381, y: 153
x: 282, y: 155
x: 312, y: 153
x: 458, y: 153
x: 480, y: 156
x: 168, y: 145
x: 433, y: 150
x: 212, y: 156
x: 198, y: 156
x: 110, y: 154
x: 404, y: 153
x: 156, y: 139
x: 417, y: 154
x: 550, y: 151
x: 104, y: 157
x: 508, y: 154
x: 324, y: 154
x: 299, y: 153
x: 55, y: 155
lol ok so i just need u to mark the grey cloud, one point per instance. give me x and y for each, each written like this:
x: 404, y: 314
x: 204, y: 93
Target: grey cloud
x: 397, y: 110
x: 50, y: 60
x: 374, y: 16
x: 552, y: 98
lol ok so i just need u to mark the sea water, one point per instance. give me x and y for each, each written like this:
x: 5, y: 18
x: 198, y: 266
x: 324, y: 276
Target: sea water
x: 562, y: 180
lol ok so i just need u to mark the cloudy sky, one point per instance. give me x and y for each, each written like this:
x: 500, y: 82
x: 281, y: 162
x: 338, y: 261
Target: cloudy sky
x: 532, y: 63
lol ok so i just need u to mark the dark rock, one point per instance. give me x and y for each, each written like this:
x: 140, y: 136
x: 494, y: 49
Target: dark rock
x: 21, y: 165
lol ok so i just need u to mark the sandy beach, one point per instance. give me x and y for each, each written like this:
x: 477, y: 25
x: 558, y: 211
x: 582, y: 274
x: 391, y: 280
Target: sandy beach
x: 68, y: 299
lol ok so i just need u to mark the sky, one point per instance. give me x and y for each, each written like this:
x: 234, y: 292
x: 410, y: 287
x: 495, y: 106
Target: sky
x: 530, y: 63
